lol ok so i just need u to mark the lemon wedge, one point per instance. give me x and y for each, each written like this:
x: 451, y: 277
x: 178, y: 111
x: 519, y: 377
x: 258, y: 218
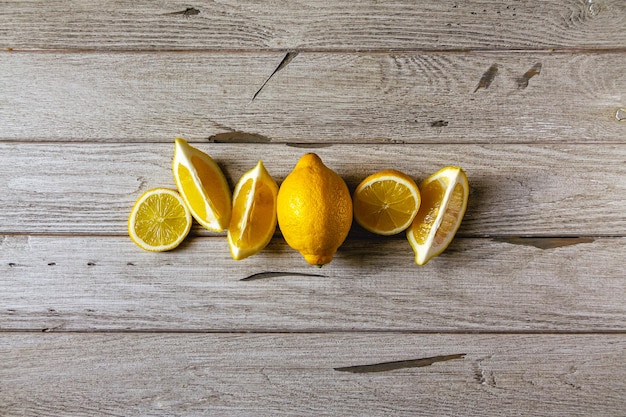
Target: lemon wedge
x: 159, y: 220
x: 444, y: 201
x: 386, y: 202
x: 202, y: 185
x: 253, y: 219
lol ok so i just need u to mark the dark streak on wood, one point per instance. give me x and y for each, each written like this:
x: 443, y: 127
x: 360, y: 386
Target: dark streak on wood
x: 308, y: 145
x: 487, y: 78
x: 264, y: 275
x: 545, y: 242
x: 289, y: 56
x: 392, y: 366
x: 239, y: 137
x: 439, y: 123
x: 189, y: 11
x: 522, y: 82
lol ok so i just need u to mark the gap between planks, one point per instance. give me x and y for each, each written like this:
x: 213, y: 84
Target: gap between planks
x: 363, y: 51
x: 361, y: 332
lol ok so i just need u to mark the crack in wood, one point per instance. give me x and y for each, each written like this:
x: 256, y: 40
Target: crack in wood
x: 522, y: 82
x: 308, y: 145
x: 239, y: 137
x: 189, y: 11
x: 545, y: 242
x: 487, y: 78
x: 439, y: 123
x: 289, y: 56
x: 265, y: 275
x: 392, y: 366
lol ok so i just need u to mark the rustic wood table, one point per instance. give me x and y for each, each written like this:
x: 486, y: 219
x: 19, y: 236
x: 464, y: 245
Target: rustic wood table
x: 524, y: 314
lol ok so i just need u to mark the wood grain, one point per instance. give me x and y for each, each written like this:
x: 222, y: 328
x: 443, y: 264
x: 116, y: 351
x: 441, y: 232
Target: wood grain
x: 529, y: 190
x: 313, y: 25
x: 107, y: 283
x: 524, y: 314
x: 292, y: 374
x: 317, y: 98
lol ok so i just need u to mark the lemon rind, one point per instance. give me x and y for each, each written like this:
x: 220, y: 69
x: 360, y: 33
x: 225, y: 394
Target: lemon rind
x: 182, y: 156
x: 426, y: 251
x: 256, y: 174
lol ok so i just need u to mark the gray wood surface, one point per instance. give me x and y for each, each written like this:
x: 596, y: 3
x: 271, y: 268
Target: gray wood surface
x: 315, y: 24
x: 293, y: 374
x: 106, y: 283
x: 524, y: 314
x: 547, y: 190
x: 376, y: 97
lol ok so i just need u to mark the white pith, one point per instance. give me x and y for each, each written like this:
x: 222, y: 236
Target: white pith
x: 428, y: 250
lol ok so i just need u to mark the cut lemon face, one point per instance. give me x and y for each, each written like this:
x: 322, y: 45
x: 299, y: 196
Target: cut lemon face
x: 253, y: 220
x: 202, y: 185
x: 159, y: 220
x: 386, y: 202
x: 444, y: 201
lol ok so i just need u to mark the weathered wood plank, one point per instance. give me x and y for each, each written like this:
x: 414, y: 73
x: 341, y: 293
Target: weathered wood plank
x: 547, y: 190
x: 293, y: 374
x: 107, y: 283
x: 316, y: 24
x: 316, y: 98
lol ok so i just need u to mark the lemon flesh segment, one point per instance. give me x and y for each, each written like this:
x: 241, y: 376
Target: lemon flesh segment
x: 202, y: 185
x: 386, y: 202
x: 253, y: 219
x: 444, y: 201
x: 159, y: 220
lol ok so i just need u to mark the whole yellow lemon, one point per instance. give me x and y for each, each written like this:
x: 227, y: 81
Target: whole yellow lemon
x: 314, y: 210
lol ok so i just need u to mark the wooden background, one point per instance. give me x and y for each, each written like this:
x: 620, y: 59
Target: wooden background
x: 524, y: 314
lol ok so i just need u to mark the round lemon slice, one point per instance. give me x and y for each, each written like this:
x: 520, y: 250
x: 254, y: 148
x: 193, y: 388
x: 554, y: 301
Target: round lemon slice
x: 386, y: 202
x: 253, y: 220
x: 159, y: 220
x: 202, y: 185
x: 444, y: 201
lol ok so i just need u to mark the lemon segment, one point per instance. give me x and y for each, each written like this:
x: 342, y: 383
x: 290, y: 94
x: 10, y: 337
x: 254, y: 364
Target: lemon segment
x: 386, y: 202
x: 159, y: 220
x: 314, y: 209
x: 253, y: 219
x: 444, y: 201
x: 202, y: 185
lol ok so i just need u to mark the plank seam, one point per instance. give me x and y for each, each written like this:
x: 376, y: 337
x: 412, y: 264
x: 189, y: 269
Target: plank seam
x: 366, y: 51
x: 319, y: 332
